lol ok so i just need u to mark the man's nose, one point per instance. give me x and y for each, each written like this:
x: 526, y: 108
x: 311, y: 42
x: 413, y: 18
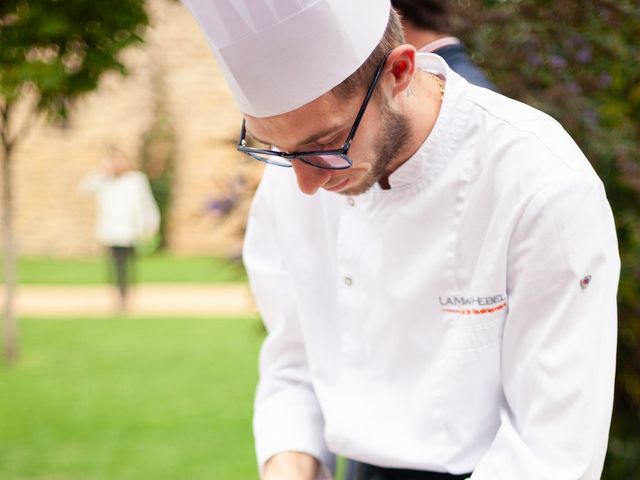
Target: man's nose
x: 310, y: 178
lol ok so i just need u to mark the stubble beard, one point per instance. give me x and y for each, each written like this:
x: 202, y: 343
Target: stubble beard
x: 395, y: 134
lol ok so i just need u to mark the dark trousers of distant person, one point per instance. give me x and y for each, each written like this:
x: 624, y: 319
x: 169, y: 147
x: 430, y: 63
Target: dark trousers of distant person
x: 363, y: 471
x: 122, y: 271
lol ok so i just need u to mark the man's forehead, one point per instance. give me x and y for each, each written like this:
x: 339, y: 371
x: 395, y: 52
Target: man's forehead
x: 295, y: 138
x: 306, y: 125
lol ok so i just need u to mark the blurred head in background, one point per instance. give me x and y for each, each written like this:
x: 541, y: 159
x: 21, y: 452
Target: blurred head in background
x: 115, y: 162
x: 423, y: 20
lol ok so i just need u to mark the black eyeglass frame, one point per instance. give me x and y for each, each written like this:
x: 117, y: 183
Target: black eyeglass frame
x: 341, y: 152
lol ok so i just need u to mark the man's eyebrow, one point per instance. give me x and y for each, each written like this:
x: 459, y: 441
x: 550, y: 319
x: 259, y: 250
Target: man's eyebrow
x: 310, y: 139
x: 318, y: 135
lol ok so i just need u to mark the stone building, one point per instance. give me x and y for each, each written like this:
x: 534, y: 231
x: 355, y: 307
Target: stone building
x: 174, y: 72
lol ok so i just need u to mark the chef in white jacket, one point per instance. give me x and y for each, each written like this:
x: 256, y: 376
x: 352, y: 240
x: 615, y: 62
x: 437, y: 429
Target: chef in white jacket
x: 437, y: 272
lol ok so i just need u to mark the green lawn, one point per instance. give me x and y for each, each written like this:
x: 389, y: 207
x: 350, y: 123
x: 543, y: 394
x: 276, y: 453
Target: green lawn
x: 156, y: 268
x: 130, y: 398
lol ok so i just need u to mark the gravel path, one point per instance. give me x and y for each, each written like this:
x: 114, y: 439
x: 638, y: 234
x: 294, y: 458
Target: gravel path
x: 146, y: 299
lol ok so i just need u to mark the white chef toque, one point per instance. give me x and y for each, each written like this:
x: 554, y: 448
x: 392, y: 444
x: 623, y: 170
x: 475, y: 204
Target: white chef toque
x: 278, y: 55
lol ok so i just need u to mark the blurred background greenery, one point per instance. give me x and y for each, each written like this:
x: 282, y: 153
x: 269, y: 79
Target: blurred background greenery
x: 130, y: 398
x: 170, y: 398
x: 159, y: 267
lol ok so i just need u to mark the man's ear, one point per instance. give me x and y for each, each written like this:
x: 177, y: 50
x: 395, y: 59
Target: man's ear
x: 401, y: 63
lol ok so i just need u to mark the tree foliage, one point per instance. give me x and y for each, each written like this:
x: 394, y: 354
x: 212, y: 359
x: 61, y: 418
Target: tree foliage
x: 158, y: 156
x: 579, y: 61
x: 61, y: 48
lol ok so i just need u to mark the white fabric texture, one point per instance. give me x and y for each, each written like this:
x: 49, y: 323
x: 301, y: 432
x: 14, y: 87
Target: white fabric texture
x: 278, y: 55
x: 464, y: 320
x: 126, y: 210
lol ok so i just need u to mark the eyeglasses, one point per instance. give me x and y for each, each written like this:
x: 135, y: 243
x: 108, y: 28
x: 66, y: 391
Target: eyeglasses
x: 326, y: 159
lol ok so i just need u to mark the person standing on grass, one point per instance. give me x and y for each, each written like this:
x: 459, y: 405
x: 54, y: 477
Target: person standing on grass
x: 436, y: 268
x: 427, y: 26
x: 126, y: 214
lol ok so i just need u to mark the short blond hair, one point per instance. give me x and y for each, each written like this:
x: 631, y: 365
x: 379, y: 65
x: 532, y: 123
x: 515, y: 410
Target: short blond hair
x: 361, y: 78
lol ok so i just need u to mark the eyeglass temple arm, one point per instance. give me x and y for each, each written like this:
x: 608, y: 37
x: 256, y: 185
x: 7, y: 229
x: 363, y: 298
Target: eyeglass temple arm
x: 367, y: 97
x: 243, y: 133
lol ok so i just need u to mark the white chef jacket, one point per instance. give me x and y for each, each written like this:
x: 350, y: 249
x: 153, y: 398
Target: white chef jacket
x: 464, y: 320
x: 127, y: 211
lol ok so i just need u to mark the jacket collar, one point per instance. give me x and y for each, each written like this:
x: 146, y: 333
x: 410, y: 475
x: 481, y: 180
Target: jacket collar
x: 435, y: 152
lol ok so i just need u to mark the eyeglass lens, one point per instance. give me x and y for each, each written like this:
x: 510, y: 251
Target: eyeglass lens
x: 322, y: 161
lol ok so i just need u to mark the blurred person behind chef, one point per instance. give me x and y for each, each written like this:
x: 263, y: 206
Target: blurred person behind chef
x: 126, y: 214
x: 427, y: 26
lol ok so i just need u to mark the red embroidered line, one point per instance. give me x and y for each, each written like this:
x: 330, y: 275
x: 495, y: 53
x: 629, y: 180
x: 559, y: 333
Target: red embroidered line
x: 474, y: 311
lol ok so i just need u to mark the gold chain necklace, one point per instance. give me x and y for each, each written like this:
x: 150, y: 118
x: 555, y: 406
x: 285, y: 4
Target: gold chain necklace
x: 440, y: 83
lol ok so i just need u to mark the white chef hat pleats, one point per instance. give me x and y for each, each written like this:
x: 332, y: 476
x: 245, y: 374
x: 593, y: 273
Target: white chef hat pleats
x: 277, y: 55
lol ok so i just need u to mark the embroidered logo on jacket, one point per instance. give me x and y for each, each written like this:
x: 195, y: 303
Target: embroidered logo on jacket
x: 473, y: 305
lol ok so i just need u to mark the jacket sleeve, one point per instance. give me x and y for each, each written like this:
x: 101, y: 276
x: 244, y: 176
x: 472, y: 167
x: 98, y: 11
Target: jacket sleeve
x: 287, y: 415
x: 147, y: 211
x: 559, y: 344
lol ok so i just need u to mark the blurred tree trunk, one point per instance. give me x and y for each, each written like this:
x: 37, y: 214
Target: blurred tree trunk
x: 10, y: 350
x: 52, y: 53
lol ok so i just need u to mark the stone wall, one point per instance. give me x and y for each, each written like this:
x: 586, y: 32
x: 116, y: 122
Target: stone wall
x: 52, y: 218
